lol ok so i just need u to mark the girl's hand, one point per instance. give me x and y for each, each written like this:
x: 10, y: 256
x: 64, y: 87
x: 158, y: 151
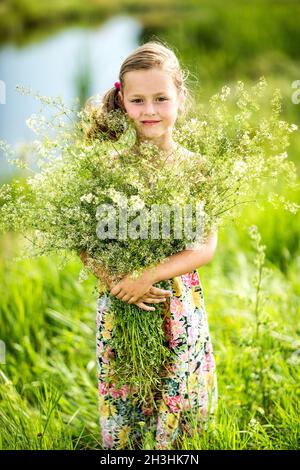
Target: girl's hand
x: 132, y: 290
x: 153, y: 296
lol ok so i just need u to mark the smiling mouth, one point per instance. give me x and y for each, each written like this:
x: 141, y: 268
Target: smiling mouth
x: 150, y: 122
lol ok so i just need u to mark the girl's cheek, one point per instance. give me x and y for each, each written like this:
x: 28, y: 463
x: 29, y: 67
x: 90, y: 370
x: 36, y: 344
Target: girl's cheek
x: 133, y: 113
x: 135, y: 116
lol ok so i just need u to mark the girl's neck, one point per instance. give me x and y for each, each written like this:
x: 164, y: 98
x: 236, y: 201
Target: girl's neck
x: 167, y: 147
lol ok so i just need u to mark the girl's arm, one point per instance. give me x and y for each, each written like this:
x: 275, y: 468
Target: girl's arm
x: 152, y: 295
x: 130, y: 290
x: 185, y: 261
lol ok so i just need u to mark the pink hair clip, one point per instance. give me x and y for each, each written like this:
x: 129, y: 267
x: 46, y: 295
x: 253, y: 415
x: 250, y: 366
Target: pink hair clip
x: 118, y: 85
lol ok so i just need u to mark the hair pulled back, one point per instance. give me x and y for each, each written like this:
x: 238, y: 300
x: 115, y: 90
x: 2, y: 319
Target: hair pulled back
x: 106, y: 115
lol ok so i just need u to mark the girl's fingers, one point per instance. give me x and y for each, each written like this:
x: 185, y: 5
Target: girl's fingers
x: 151, y: 300
x: 126, y: 297
x: 144, y: 307
x: 117, y: 291
x: 159, y: 292
x: 155, y: 296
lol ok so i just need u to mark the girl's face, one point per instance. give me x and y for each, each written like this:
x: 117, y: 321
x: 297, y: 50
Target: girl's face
x: 150, y: 95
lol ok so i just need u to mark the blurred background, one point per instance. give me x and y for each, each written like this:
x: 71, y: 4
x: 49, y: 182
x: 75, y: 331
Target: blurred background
x: 48, y: 383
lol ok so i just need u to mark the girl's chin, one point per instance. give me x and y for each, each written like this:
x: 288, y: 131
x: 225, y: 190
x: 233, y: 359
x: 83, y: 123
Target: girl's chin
x: 151, y: 130
x: 150, y: 126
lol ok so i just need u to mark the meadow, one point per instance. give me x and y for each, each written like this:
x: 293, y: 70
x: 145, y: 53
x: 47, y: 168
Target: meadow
x: 48, y: 386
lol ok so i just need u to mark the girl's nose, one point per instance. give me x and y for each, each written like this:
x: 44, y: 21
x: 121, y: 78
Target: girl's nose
x: 149, y: 109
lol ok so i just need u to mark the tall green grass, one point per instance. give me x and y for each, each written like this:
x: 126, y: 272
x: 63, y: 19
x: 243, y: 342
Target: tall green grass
x: 48, y: 384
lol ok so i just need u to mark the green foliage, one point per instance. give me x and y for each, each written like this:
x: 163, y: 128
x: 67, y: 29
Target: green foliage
x: 47, y: 321
x: 48, y: 383
x: 239, y: 151
x: 239, y: 156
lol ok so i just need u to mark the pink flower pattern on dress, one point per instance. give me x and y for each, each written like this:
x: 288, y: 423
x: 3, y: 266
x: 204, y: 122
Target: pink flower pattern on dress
x: 108, y: 354
x: 107, y: 438
x: 190, y: 279
x: 103, y: 388
x: 173, y: 403
x: 177, y: 308
x: 208, y: 361
x: 177, y: 329
x: 120, y: 392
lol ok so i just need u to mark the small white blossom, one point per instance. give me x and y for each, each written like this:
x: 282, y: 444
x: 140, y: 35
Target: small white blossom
x: 136, y: 203
x: 293, y: 127
x: 240, y: 167
x: 225, y: 92
x: 117, y: 197
x: 87, y: 198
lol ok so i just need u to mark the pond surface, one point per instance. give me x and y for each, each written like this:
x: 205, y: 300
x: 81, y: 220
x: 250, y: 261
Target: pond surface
x: 74, y: 59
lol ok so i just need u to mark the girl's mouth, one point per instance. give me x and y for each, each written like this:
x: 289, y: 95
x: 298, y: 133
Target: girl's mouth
x: 150, y: 123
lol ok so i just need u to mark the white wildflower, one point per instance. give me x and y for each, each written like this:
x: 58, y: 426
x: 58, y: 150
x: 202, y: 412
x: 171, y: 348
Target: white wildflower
x: 87, y: 198
x: 136, y: 203
x: 31, y: 122
x: 279, y: 158
x: 254, y: 424
x: 240, y: 167
x: 117, y: 197
x: 225, y: 92
x: 293, y: 128
x: 281, y: 124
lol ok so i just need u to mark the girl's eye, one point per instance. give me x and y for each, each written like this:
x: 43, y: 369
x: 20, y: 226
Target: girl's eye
x: 138, y: 99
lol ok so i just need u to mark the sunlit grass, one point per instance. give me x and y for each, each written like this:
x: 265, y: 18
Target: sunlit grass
x: 48, y: 385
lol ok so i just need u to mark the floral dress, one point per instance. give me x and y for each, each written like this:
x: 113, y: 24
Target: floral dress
x: 190, y: 392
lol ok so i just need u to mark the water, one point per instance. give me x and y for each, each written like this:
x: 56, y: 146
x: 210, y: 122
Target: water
x: 77, y: 57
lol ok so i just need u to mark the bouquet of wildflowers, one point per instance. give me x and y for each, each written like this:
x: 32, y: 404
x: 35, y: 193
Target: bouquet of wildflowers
x: 129, y: 212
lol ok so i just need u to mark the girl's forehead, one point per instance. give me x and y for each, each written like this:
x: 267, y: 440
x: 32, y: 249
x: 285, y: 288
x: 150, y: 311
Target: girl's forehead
x: 150, y: 81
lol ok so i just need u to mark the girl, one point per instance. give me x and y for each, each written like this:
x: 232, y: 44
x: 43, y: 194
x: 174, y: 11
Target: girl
x: 151, y: 91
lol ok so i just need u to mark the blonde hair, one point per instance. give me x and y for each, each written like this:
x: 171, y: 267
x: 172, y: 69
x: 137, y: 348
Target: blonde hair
x: 152, y: 54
